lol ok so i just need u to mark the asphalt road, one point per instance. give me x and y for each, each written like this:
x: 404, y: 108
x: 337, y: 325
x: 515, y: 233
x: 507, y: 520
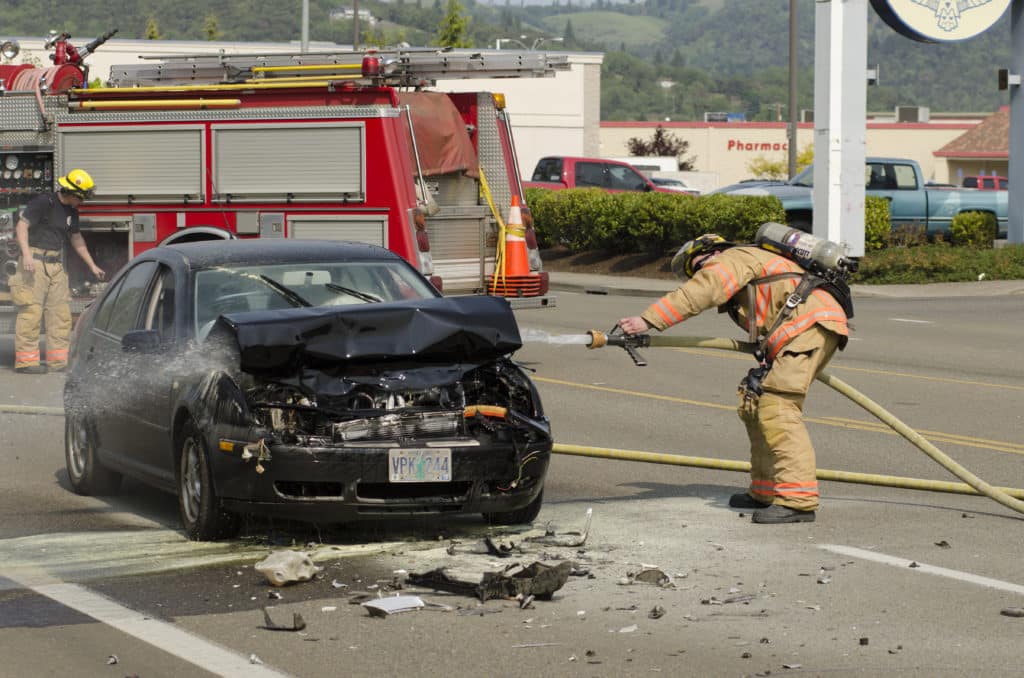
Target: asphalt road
x: 84, y: 578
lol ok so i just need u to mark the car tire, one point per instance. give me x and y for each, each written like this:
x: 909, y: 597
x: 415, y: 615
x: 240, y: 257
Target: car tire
x: 200, y: 509
x: 88, y: 476
x: 527, y: 514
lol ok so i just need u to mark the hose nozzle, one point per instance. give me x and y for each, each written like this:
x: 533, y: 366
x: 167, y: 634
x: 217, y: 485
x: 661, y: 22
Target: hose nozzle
x: 629, y: 342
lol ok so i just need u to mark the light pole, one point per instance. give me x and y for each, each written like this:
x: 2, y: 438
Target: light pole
x: 540, y: 41
x: 497, y: 43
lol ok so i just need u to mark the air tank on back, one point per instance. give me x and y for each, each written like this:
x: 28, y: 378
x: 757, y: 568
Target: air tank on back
x: 819, y: 256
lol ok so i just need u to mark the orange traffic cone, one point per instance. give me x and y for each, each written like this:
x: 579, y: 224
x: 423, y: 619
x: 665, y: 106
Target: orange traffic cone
x: 514, y: 278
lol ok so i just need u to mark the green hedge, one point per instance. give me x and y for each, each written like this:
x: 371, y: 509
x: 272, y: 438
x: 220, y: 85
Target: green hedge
x: 654, y: 223
x: 974, y: 229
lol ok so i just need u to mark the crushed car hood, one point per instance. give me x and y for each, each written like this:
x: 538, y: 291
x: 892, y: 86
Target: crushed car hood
x: 444, y: 331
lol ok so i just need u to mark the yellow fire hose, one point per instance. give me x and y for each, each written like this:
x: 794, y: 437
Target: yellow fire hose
x: 974, y: 484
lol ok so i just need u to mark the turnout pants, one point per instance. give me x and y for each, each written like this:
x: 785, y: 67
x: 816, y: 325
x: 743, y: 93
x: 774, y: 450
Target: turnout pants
x: 782, y: 463
x: 38, y: 295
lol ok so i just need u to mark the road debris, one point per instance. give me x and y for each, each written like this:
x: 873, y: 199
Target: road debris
x: 253, y: 659
x: 274, y: 595
x: 824, y: 579
x: 864, y: 641
x: 382, y: 607
x: 943, y: 544
x: 792, y: 666
x: 1012, y: 612
x: 538, y: 579
x: 501, y: 550
x: 913, y: 563
x: 568, y: 538
x: 741, y: 598
x: 648, y: 575
x: 112, y: 659
x: 896, y: 650
x: 629, y: 629
x: 298, y: 623
x: 657, y: 612
x: 285, y: 567
x: 525, y: 645
x: 338, y: 585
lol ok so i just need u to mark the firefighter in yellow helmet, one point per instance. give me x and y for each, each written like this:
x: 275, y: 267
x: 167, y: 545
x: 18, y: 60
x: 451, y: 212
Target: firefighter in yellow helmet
x: 40, y: 287
x: 748, y: 282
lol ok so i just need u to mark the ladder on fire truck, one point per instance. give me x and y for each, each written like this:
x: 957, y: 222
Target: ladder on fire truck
x: 412, y: 68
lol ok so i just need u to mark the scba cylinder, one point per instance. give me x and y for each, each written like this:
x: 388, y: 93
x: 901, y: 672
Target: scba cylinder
x: 813, y: 254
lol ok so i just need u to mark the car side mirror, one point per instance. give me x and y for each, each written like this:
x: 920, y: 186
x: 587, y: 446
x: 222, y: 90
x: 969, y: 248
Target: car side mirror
x: 141, y: 341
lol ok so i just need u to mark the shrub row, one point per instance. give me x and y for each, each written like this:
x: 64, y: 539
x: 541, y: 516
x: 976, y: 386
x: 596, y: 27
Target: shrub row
x: 655, y: 223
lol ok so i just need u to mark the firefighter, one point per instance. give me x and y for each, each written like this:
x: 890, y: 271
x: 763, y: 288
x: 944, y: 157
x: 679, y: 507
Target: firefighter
x: 717, y: 273
x: 40, y: 287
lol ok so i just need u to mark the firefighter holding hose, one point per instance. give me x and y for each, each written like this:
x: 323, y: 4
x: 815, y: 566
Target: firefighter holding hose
x: 40, y: 287
x: 797, y: 320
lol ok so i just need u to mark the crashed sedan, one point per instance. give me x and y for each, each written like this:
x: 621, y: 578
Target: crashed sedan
x: 319, y: 381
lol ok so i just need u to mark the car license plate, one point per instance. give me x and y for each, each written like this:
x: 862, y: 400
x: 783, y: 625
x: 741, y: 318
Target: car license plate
x: 419, y: 465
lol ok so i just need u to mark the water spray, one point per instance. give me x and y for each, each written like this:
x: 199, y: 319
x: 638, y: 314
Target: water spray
x: 632, y: 342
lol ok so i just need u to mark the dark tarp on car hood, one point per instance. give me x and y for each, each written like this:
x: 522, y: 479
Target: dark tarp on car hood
x: 465, y: 330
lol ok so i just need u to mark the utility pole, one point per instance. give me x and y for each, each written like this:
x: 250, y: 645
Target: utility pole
x: 791, y: 128
x: 304, y: 45
x: 355, y: 25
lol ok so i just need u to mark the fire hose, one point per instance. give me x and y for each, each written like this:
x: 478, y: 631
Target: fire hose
x: 1009, y: 497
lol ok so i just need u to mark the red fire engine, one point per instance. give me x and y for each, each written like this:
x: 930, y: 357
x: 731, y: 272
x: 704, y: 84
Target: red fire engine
x: 340, y: 145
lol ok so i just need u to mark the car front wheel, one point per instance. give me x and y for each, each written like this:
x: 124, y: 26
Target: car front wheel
x: 87, y: 475
x: 200, y: 509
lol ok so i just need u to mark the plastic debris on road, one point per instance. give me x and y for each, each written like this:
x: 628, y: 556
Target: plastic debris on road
x: 382, y: 607
x: 298, y: 623
x: 285, y: 567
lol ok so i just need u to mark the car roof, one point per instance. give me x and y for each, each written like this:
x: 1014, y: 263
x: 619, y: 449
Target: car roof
x: 208, y: 253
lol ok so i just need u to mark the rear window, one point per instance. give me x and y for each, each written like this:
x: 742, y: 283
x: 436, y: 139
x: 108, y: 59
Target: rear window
x: 548, y: 169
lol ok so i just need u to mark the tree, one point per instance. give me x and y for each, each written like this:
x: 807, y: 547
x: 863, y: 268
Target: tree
x: 664, y: 144
x: 152, y: 30
x: 454, y: 27
x: 762, y: 167
x: 569, y: 36
x: 210, y: 28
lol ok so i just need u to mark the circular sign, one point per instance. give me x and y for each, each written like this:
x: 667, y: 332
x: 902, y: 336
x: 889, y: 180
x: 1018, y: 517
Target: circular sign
x: 940, y: 20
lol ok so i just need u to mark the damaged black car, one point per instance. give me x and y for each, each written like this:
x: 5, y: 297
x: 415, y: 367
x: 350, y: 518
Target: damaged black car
x: 318, y: 381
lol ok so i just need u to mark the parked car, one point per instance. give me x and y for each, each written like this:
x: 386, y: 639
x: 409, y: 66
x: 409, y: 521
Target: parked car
x: 987, y: 183
x: 558, y: 172
x: 674, y: 185
x: 321, y: 381
x: 898, y: 180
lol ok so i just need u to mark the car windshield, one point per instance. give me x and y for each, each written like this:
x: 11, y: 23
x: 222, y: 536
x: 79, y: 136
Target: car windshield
x: 233, y: 289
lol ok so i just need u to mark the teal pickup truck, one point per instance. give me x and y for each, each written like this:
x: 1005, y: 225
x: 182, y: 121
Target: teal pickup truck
x: 899, y: 181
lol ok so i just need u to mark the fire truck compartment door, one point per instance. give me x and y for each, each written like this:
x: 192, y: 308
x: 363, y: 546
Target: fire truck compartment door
x: 370, y: 228
x: 143, y: 164
x: 293, y: 162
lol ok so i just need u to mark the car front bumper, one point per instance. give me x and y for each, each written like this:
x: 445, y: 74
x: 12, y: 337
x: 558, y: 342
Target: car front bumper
x: 340, y: 484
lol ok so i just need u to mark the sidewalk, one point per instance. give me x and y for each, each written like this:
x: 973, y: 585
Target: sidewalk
x: 652, y: 287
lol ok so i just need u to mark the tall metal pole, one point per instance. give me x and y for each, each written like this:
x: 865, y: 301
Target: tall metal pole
x: 793, y: 116
x: 304, y: 45
x: 1015, y: 227
x: 355, y: 25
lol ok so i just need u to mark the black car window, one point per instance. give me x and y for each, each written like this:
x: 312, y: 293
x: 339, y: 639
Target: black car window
x: 971, y: 182
x: 548, y: 169
x: 625, y: 179
x: 590, y: 174
x: 106, y: 306
x: 125, y: 314
x: 160, y: 309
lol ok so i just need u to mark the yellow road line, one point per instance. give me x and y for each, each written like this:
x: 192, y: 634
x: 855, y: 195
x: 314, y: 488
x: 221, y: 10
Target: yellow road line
x: 835, y: 368
x: 855, y: 424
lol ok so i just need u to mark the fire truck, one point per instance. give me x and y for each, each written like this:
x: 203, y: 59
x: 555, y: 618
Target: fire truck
x: 315, y: 145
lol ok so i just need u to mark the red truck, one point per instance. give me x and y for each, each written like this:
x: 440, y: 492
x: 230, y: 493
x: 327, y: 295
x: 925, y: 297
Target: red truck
x: 558, y: 172
x: 338, y: 146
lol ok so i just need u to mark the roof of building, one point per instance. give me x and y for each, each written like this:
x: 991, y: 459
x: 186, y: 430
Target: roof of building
x: 990, y: 138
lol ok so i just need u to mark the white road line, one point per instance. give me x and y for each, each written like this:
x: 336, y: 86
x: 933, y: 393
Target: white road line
x: 911, y: 320
x: 193, y: 649
x: 924, y: 568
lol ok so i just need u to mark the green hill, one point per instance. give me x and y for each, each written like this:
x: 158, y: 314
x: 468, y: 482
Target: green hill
x: 721, y: 55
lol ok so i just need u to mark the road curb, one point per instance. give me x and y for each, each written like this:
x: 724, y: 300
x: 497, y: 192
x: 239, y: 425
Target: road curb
x: 32, y: 409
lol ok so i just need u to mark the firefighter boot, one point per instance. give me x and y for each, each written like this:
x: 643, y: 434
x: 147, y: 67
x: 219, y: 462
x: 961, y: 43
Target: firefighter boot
x: 744, y: 500
x: 777, y: 513
x: 31, y: 369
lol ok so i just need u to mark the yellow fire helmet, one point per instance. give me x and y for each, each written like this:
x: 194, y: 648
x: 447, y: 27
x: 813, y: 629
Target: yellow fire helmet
x: 682, y: 262
x: 77, y: 182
